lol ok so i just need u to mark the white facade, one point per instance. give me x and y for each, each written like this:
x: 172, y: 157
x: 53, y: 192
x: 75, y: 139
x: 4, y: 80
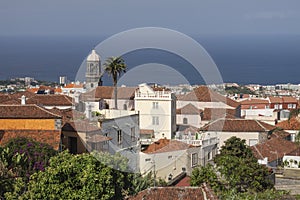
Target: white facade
x: 251, y: 138
x: 190, y: 119
x: 170, y: 164
x: 157, y: 111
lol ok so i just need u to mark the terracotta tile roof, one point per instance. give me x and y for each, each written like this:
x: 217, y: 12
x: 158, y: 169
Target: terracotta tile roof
x: 277, y: 133
x: 189, y: 109
x: 147, y: 131
x: 50, y: 100
x: 166, y: 145
x: 107, y: 92
x: 32, y: 90
x: 186, y: 128
x: 68, y: 114
x: 185, y: 182
x: 51, y: 137
x: 14, y: 98
x: 204, y: 94
x: 96, y: 138
x: 254, y: 101
x: 284, y: 99
x: 216, y: 113
x: 58, y: 90
x: 26, y: 112
x: 170, y: 193
x: 292, y: 124
x: 273, y: 148
x: 81, y: 126
x: 73, y: 85
x: 238, y: 125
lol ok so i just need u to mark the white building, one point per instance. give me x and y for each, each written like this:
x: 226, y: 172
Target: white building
x: 169, y: 158
x: 157, y: 109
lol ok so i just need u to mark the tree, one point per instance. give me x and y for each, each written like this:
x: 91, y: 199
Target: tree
x: 9, y: 169
x: 36, y: 154
x: 205, y: 174
x: 240, y: 169
x: 81, y: 176
x: 114, y: 66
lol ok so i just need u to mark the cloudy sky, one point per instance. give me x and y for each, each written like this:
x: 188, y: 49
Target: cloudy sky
x: 99, y: 17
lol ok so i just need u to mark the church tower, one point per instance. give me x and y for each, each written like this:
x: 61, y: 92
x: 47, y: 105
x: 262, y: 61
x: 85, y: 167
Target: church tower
x: 93, y: 72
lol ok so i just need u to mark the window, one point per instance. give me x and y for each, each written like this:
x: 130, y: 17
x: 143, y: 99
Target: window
x: 147, y: 159
x: 194, y: 159
x: 155, y: 105
x: 267, y: 106
x: 294, y: 106
x: 169, y: 157
x: 209, y: 157
x: 132, y: 130
x: 155, y: 121
x: 253, y: 142
x: 185, y: 120
x: 124, y: 107
x: 119, y: 136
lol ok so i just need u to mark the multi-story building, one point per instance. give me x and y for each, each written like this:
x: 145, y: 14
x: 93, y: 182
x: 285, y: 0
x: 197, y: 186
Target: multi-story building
x: 157, y: 109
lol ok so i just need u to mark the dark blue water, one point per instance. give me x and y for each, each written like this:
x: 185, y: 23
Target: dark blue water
x: 241, y: 59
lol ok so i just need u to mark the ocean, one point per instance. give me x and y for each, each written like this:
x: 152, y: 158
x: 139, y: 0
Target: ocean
x: 243, y: 59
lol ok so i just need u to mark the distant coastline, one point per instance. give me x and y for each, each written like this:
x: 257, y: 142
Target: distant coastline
x: 241, y: 59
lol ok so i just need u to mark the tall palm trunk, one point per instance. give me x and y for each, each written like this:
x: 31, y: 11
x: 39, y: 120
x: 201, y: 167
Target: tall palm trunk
x: 115, y: 91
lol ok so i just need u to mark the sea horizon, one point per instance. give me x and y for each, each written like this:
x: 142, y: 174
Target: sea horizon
x: 242, y: 59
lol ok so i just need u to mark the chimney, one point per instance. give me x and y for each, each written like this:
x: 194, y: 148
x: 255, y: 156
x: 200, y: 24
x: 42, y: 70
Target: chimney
x: 23, y: 100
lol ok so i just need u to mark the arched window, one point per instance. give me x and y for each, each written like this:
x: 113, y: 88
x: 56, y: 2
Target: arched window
x: 185, y: 120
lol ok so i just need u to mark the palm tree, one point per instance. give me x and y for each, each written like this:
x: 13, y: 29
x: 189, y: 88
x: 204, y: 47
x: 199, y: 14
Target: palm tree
x: 114, y: 66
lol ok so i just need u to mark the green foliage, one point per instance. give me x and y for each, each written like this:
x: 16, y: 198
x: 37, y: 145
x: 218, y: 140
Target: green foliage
x: 9, y: 169
x: 240, y: 169
x: 81, y: 176
x: 270, y: 194
x: 36, y: 154
x: 238, y: 90
x: 115, y: 66
x: 237, y: 174
x: 207, y: 175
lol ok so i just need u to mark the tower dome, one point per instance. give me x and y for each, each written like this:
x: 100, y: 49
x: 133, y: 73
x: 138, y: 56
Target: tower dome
x: 93, y: 57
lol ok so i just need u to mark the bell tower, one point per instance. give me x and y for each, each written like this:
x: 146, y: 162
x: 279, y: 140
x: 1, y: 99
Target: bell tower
x: 93, y: 72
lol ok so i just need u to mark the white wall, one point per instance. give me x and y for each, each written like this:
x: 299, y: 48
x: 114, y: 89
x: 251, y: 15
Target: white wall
x: 194, y: 120
x: 168, y: 163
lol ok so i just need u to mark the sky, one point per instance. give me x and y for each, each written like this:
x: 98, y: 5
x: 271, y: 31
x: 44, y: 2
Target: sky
x: 99, y: 17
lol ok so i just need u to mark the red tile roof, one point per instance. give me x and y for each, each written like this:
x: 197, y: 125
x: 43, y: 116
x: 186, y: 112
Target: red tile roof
x: 185, y: 182
x: 189, y: 109
x: 96, y: 138
x: 204, y: 94
x: 50, y: 100
x: 170, y: 193
x: 51, y: 137
x: 26, y: 112
x: 107, y: 92
x: 291, y: 124
x: 254, y: 101
x: 147, y: 131
x: 187, y: 128
x: 238, y: 125
x: 284, y: 99
x: 81, y: 126
x: 273, y: 148
x: 216, y: 113
x: 166, y: 145
x: 73, y: 85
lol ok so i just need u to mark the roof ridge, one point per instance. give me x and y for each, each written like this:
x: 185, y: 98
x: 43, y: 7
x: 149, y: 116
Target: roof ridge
x: 258, y: 151
x: 41, y: 108
x: 258, y: 122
